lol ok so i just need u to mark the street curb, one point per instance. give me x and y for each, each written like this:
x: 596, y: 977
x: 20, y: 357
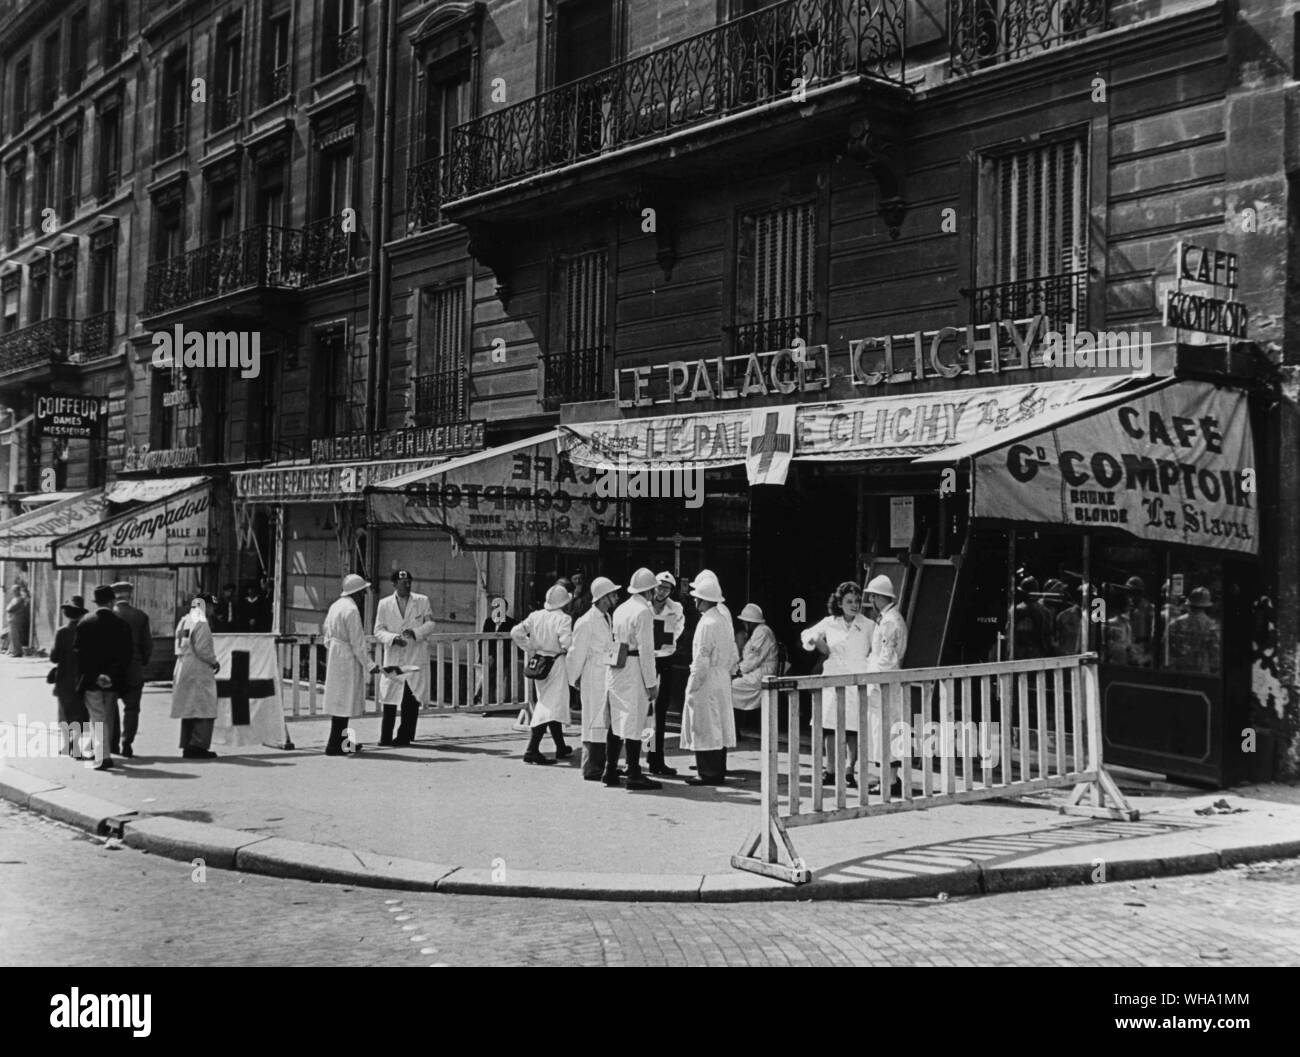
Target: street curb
x: 240, y: 850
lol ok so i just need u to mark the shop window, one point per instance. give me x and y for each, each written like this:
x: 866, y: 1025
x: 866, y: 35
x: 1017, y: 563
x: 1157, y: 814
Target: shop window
x: 1192, y: 611
x: 441, y: 382
x: 775, y: 264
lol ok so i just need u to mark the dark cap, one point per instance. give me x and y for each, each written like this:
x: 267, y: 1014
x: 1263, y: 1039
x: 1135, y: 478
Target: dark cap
x: 401, y: 574
x: 104, y: 595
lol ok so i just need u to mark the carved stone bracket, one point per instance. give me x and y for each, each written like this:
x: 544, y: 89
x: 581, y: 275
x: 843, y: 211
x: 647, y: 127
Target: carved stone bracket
x: 490, y: 247
x: 877, y: 144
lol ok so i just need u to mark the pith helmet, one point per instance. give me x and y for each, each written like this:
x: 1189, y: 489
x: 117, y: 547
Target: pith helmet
x: 706, y: 587
x: 642, y: 580
x: 601, y: 586
x: 557, y: 597
x: 881, y: 585
x: 352, y: 583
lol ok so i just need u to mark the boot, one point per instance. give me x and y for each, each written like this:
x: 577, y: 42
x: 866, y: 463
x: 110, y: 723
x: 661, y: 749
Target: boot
x: 334, y: 747
x: 613, y: 746
x: 533, y: 754
x: 635, y: 779
x: 386, y: 725
x: 655, y: 765
x: 410, y: 713
x: 562, y: 750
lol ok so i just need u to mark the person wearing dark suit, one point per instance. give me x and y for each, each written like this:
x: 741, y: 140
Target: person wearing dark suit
x: 72, y: 708
x: 103, y: 647
x: 226, y: 614
x: 137, y: 620
x: 498, y: 621
x: 255, y: 609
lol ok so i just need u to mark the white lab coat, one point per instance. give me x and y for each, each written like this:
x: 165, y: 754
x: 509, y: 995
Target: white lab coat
x: 850, y: 646
x: 548, y: 632
x: 757, y: 662
x: 888, y: 645
x: 593, y: 637
x: 631, y: 687
x: 194, y: 683
x: 390, y: 622
x: 347, y: 660
x: 707, y: 721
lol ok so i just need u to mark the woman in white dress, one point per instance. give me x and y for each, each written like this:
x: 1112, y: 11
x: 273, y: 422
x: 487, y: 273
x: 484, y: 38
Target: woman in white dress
x: 844, y: 639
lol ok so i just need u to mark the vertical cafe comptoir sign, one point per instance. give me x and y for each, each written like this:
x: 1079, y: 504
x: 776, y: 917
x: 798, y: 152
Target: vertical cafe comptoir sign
x: 1201, y: 313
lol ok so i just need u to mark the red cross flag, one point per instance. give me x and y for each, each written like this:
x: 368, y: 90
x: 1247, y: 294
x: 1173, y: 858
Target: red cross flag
x: 771, y: 443
x: 248, y: 692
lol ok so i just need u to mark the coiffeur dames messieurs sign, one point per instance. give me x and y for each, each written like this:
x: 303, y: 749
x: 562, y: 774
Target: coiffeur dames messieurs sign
x: 1176, y: 465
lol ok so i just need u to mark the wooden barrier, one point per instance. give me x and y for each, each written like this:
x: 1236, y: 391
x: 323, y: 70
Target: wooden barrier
x: 1036, y: 725
x: 471, y: 674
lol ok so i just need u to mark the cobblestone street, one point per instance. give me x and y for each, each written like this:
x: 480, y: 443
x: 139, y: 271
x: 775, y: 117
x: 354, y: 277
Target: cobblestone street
x: 117, y: 906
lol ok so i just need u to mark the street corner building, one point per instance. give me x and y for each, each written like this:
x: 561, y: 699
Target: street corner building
x: 825, y: 254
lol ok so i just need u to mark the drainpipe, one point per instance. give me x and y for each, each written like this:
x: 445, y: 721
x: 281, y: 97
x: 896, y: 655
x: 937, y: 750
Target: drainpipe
x: 386, y: 206
x: 379, y: 228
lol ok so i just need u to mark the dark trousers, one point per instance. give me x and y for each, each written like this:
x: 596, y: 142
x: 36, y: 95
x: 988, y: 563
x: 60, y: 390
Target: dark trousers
x: 613, y: 746
x: 665, y: 697
x: 410, y: 713
x: 711, y: 764
x: 556, y: 730
x: 338, y: 724
x: 127, y: 724
x: 196, y: 733
x: 593, y: 759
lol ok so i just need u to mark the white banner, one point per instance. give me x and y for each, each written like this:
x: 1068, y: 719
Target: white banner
x: 170, y: 532
x: 248, y: 692
x: 771, y: 443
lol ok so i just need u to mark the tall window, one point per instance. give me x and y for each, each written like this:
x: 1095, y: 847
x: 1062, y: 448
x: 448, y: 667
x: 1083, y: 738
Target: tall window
x: 775, y: 263
x: 114, y: 32
x: 175, y: 97
x: 169, y: 231
x: 221, y: 209
x: 575, y: 364
x: 583, y: 37
x: 341, y: 388
x: 272, y: 202
x: 40, y: 290
x: 10, y: 293
x: 77, y: 45
x: 69, y: 173
x: 43, y: 187
x: 263, y: 409
x: 441, y: 383
x: 110, y: 151
x: 22, y: 91
x: 163, y: 419
x: 50, y: 71
x: 341, y: 37
x: 334, y: 189
x: 65, y: 283
x: 15, y: 201
x: 225, y: 105
x: 275, y: 57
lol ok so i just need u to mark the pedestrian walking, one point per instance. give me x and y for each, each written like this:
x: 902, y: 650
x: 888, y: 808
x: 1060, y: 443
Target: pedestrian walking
x: 403, y: 624
x: 888, y: 648
x: 843, y: 638
x: 586, y: 663
x: 545, y: 635
x: 758, y: 660
x: 73, y: 716
x: 141, y: 651
x: 19, y: 614
x: 708, y: 723
x: 669, y: 623
x: 194, y: 680
x: 631, y: 681
x: 103, y: 648
x: 347, y: 661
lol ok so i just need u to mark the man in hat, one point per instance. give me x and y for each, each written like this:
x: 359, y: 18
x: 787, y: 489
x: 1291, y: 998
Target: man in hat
x: 708, y: 724
x: 1194, y: 638
x: 888, y: 647
x: 632, y: 684
x: 585, y: 664
x: 194, y: 680
x: 548, y: 632
x: 347, y: 661
x: 73, y: 716
x: 669, y: 623
x: 1032, y: 626
x: 103, y: 646
x: 1142, y: 622
x: 141, y: 650
x: 403, y: 624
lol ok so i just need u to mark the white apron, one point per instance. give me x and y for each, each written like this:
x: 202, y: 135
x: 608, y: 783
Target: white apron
x: 707, y: 720
x: 586, y: 667
x: 630, y: 687
x: 389, y: 625
x: 850, y: 645
x: 347, y: 659
x: 758, y: 662
x: 548, y: 632
x: 194, y: 683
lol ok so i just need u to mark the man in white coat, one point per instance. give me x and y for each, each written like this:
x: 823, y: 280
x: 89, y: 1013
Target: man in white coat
x: 347, y: 661
x: 403, y: 624
x: 586, y: 661
x: 708, y: 725
x: 888, y: 646
x: 631, y: 685
x: 194, y: 680
x: 548, y: 632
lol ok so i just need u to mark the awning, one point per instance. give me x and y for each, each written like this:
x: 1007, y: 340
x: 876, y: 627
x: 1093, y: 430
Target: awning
x: 147, y: 491
x: 881, y: 427
x: 46, y: 498
x: 170, y: 531
x: 29, y: 536
x: 523, y: 494
x: 319, y: 483
x: 1171, y: 463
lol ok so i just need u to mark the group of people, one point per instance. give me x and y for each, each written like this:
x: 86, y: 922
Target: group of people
x: 250, y: 613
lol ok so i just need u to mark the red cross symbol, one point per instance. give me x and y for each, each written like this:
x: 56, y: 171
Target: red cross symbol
x: 769, y: 442
x: 241, y: 689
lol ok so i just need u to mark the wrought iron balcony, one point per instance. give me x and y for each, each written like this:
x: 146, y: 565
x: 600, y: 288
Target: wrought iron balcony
x: 441, y: 397
x: 171, y: 140
x: 55, y: 340
x: 344, y: 47
x: 225, y: 110
x: 768, y: 335
x: 737, y: 66
x: 985, y: 32
x: 1061, y: 298
x: 575, y: 376
x: 108, y: 182
x: 327, y: 249
x: 277, y: 84
x: 424, y: 194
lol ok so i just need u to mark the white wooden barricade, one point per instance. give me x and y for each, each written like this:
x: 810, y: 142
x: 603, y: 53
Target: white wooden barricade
x: 998, y: 730
x: 471, y: 674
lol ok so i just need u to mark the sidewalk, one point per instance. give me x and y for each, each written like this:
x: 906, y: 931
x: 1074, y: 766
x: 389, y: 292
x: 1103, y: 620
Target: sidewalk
x: 460, y: 812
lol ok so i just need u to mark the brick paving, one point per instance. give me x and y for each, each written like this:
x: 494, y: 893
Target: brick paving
x: 69, y: 899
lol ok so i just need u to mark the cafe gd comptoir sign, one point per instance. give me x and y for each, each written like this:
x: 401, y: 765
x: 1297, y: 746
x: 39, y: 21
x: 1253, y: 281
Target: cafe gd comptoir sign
x: 174, y: 531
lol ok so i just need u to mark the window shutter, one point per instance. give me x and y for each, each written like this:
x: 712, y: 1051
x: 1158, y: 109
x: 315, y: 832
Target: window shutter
x: 1041, y: 199
x: 584, y: 280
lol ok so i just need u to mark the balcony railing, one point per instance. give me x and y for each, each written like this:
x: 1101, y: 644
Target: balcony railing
x: 768, y: 335
x: 424, y: 194
x: 108, y: 182
x: 441, y: 397
x: 1061, y: 298
x: 277, y: 84
x: 344, y: 47
x: 328, y: 249
x: 225, y: 110
x: 985, y: 32
x: 171, y: 140
x: 56, y: 340
x: 737, y: 66
x: 572, y: 377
